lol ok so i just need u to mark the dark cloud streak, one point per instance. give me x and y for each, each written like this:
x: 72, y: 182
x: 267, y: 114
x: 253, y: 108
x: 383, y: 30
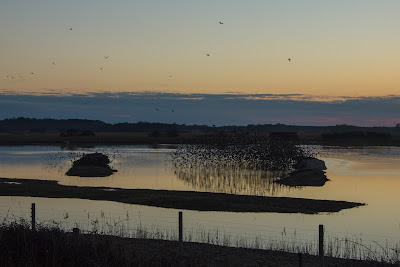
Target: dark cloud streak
x: 219, y: 109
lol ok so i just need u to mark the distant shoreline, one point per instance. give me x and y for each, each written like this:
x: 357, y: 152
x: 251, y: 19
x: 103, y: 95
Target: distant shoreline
x: 187, y: 200
x: 14, y: 138
x: 101, y: 138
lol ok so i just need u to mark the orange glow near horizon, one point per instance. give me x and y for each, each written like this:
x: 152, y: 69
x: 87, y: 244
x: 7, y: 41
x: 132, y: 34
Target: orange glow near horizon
x: 336, y: 49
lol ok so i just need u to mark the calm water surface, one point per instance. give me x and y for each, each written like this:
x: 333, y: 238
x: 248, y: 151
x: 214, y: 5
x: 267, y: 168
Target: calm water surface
x: 370, y: 175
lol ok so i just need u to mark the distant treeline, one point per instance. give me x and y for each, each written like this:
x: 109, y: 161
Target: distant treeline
x: 355, y: 134
x: 52, y: 125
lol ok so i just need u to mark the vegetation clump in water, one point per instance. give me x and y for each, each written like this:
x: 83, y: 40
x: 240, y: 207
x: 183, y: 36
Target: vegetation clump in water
x: 91, y: 165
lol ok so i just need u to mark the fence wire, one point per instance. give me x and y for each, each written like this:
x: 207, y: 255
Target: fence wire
x: 235, y: 234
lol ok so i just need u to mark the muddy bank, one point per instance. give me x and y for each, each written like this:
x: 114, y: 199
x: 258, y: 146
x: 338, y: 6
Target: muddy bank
x: 173, y: 199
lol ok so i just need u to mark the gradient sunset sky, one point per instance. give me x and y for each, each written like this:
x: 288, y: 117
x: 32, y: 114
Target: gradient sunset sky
x: 337, y: 48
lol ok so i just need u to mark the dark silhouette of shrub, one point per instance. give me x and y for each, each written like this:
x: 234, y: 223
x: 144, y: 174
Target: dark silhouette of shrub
x: 91, y: 165
x: 87, y: 133
x: 94, y: 159
x: 154, y: 134
x: 355, y: 134
x: 38, y: 130
x: 173, y: 133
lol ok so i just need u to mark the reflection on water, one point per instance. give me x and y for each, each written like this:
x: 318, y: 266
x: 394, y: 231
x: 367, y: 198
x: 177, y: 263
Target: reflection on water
x: 152, y: 168
x: 369, y: 175
x: 138, y: 167
x: 231, y: 180
x: 224, y: 163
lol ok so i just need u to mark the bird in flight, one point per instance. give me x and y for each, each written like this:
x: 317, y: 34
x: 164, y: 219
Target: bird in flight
x: 101, y: 68
x: 208, y: 55
x: 172, y: 110
x: 157, y: 109
x: 70, y: 29
x: 170, y: 76
x: 106, y: 57
x: 53, y: 63
x: 32, y: 73
x: 220, y: 22
x: 289, y: 59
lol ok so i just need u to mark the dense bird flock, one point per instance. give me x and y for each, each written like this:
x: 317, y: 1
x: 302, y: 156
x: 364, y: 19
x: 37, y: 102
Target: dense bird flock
x: 237, y: 162
x: 243, y: 150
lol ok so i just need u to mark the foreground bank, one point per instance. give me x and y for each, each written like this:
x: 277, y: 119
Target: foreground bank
x: 51, y: 246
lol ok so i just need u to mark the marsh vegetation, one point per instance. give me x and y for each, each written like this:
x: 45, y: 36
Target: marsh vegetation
x: 110, y: 243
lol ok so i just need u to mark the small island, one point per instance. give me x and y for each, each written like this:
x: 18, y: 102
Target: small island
x: 308, y: 171
x: 91, y: 165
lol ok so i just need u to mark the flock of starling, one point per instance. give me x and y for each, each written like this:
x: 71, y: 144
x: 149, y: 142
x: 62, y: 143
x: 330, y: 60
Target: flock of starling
x: 52, y: 63
x: 238, y: 150
x: 101, y: 68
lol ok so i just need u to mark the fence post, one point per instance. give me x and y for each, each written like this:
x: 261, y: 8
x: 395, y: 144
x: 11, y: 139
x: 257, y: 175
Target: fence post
x: 75, y: 231
x: 321, y: 244
x: 33, y: 215
x: 180, y: 232
x: 300, y: 260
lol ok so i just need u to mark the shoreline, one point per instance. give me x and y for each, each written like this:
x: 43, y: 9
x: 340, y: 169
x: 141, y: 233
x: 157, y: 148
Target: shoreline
x: 16, y: 138
x: 186, y: 200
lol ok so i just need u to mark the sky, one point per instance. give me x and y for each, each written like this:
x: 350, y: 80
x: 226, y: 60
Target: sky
x: 337, y: 50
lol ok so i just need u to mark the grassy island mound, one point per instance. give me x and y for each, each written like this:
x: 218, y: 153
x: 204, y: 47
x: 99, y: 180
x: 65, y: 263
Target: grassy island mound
x: 308, y: 177
x: 308, y: 172
x: 91, y: 165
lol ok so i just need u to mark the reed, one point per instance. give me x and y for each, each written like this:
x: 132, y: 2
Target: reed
x: 348, y: 247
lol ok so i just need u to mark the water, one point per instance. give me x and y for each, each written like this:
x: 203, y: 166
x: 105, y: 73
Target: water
x: 369, y: 175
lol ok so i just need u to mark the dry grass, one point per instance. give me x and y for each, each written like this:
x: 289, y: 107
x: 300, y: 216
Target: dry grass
x: 51, y: 246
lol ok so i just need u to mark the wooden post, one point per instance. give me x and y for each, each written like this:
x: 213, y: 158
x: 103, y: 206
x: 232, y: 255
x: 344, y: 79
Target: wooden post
x: 75, y: 231
x: 180, y: 232
x: 33, y: 215
x: 300, y: 260
x: 321, y: 244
